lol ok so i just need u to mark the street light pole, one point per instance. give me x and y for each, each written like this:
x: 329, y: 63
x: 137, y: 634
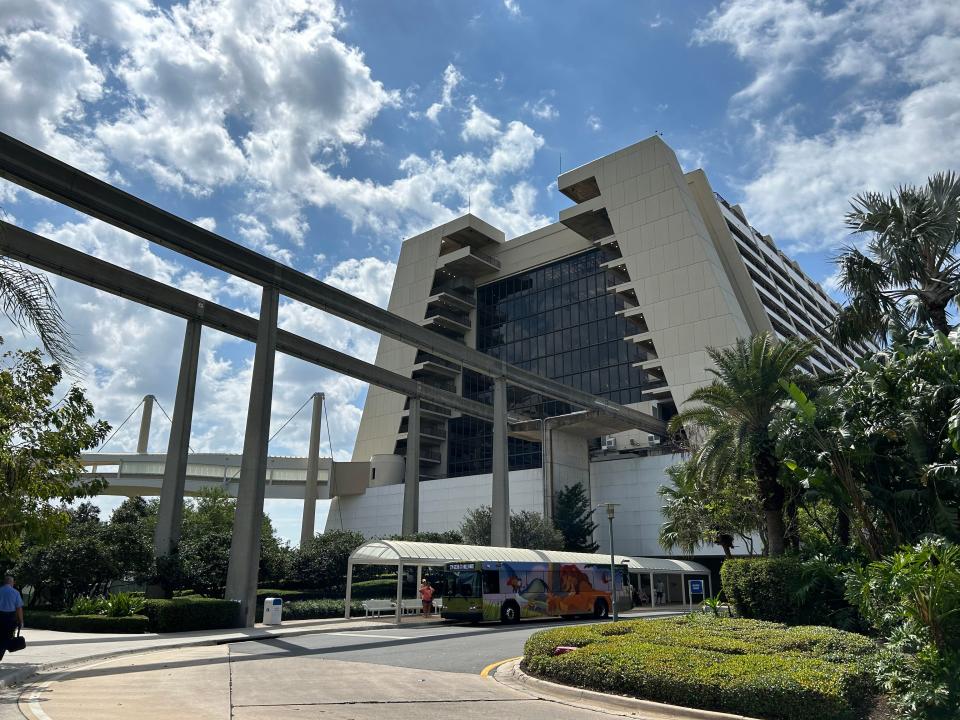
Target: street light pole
x: 613, y: 577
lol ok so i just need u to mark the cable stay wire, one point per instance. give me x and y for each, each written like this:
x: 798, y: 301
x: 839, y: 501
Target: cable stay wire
x: 326, y: 420
x: 157, y: 401
x: 113, y: 434
x: 273, y: 437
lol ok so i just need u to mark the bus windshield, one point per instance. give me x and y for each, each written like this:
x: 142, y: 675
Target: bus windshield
x: 465, y: 583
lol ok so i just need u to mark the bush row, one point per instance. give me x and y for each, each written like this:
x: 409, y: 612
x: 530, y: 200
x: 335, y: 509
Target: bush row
x: 748, y: 667
x: 311, y: 609
x: 191, y: 613
x: 47, y: 620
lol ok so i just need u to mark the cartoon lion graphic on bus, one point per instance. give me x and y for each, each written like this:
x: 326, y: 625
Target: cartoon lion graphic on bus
x: 575, y: 593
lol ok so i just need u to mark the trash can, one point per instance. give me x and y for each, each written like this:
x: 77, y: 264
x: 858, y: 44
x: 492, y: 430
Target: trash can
x: 272, y: 611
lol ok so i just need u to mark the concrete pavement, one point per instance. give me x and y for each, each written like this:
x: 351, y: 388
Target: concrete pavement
x: 343, y: 671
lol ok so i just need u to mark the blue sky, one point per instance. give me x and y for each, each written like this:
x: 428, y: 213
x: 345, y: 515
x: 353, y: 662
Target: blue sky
x: 322, y: 134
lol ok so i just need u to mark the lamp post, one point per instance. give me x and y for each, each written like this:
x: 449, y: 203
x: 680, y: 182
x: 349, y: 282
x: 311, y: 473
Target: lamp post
x: 611, y: 507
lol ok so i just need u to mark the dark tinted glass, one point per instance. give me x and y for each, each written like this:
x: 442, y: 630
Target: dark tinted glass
x: 558, y: 321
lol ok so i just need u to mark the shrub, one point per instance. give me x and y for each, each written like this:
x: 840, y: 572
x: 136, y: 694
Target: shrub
x: 310, y: 609
x: 43, y: 620
x: 83, y: 605
x: 763, y: 588
x: 749, y: 667
x: 123, y: 605
x: 321, y: 562
x: 913, y: 598
x: 191, y: 613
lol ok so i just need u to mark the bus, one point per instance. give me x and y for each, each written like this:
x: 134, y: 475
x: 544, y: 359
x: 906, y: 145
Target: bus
x: 509, y: 591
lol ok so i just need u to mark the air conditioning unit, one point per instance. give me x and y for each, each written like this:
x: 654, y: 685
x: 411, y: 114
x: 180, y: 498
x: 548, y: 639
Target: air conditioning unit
x: 653, y: 439
x: 610, y: 443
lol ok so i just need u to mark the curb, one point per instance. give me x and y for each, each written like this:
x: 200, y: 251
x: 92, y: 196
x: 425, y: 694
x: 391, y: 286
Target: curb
x: 510, y: 675
x: 20, y: 676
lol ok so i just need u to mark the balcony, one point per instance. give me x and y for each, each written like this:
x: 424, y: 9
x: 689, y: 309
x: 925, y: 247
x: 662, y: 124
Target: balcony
x: 427, y: 408
x: 446, y: 321
x: 581, y: 190
x: 453, y: 299
x: 466, y: 262
x: 588, y: 219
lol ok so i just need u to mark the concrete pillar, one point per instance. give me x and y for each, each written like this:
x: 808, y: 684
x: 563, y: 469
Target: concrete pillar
x: 307, y: 528
x: 411, y: 481
x: 546, y: 461
x: 500, y: 502
x: 346, y: 600
x: 143, y: 441
x: 245, y: 546
x: 170, y: 513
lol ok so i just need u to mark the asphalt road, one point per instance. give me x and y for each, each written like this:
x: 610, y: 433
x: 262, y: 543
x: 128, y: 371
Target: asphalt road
x: 450, y: 648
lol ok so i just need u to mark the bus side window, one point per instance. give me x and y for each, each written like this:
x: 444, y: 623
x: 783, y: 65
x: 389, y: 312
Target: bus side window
x: 491, y: 581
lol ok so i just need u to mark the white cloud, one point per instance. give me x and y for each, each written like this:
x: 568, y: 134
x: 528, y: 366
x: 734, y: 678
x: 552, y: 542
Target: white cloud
x: 479, y: 125
x: 594, y: 123
x: 207, y: 223
x: 451, y: 79
x: 542, y: 109
x: 878, y: 140
x: 513, y: 7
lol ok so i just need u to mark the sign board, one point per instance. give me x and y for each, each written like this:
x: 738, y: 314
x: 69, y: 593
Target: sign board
x: 696, y: 587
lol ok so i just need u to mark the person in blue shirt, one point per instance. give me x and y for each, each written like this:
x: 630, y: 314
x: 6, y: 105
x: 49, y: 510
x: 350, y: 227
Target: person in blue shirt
x: 11, y: 612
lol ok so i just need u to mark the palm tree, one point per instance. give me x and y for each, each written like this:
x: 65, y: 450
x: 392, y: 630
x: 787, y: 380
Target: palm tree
x: 27, y: 299
x: 736, y: 411
x: 910, y: 273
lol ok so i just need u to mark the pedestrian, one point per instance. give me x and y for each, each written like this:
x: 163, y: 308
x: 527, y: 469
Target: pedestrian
x: 11, y: 612
x: 426, y: 597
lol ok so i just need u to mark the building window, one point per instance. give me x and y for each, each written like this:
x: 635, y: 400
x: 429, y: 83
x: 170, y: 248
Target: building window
x: 558, y: 321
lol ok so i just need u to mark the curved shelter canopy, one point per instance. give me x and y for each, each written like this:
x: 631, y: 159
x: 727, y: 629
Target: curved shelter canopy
x: 395, y: 552
x: 421, y: 554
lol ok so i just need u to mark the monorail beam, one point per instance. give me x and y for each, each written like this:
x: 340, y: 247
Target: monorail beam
x: 37, y: 171
x: 40, y: 252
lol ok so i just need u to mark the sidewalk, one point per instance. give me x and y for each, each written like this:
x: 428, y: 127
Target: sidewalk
x: 50, y: 650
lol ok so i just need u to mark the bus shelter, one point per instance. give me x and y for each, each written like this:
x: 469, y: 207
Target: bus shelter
x: 420, y: 555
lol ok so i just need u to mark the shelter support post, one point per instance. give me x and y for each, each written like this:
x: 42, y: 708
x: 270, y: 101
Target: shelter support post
x: 346, y: 599
x: 710, y: 584
x: 248, y: 518
x: 500, y: 505
x: 307, y: 528
x: 684, y: 594
x: 653, y: 593
x: 411, y: 480
x: 143, y: 440
x: 399, y: 608
x: 419, y: 576
x: 170, y: 513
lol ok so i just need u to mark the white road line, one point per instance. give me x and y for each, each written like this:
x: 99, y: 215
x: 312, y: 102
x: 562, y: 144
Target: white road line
x: 378, y: 635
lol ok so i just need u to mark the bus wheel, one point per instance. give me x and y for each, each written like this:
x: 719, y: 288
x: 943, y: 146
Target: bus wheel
x: 509, y: 613
x: 600, y: 610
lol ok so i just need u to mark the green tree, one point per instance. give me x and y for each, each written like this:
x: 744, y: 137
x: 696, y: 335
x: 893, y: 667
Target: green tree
x: 909, y: 275
x: 40, y: 446
x: 702, y: 509
x: 322, y: 561
x: 574, y: 519
x: 527, y: 529
x: 735, y: 413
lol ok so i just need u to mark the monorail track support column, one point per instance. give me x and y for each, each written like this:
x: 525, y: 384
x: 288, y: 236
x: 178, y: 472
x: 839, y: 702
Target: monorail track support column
x: 248, y: 520
x: 500, y: 505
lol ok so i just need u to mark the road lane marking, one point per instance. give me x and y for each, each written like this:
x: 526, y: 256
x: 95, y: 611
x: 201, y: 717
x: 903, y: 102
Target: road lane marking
x: 493, y: 666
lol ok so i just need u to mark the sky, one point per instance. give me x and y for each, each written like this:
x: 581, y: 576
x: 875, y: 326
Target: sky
x: 322, y: 134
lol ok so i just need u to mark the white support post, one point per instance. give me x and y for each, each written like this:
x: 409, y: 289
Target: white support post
x: 248, y: 518
x: 500, y: 500
x: 411, y: 483
x: 399, y: 608
x: 170, y: 512
x: 307, y: 528
x: 685, y: 596
x: 346, y: 600
x: 653, y: 593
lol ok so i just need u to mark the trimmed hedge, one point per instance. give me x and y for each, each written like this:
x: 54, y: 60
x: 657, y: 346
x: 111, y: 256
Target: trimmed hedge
x: 311, y: 609
x: 748, y: 667
x: 46, y: 620
x: 762, y: 588
x: 191, y: 613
